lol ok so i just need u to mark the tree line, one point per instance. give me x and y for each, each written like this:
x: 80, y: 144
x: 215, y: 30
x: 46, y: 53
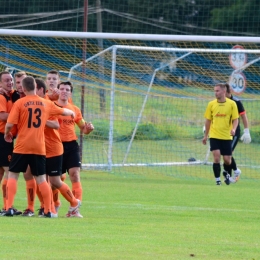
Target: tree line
x: 197, y: 17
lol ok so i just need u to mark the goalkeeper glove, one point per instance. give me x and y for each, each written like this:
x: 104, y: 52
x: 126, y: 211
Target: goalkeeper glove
x: 246, y: 138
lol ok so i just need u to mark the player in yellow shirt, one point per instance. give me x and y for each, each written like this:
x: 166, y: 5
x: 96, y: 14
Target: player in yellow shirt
x: 220, y: 124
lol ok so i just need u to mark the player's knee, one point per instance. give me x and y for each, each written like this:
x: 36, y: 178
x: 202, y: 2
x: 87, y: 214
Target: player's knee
x: 63, y: 177
x: 55, y: 182
x: 74, y: 175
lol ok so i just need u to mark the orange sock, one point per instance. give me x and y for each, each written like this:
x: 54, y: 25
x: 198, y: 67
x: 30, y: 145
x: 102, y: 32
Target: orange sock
x: 77, y: 190
x: 39, y: 195
x: 53, y: 210
x: 11, y: 189
x: 4, y: 192
x: 67, y: 194
x: 31, y: 191
x: 44, y: 189
x: 56, y: 199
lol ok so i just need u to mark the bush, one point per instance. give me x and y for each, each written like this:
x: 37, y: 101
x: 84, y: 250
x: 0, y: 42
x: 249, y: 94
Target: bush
x: 151, y: 132
x: 101, y: 131
x: 255, y: 136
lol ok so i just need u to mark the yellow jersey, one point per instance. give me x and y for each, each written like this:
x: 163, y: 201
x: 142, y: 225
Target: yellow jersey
x: 221, y: 115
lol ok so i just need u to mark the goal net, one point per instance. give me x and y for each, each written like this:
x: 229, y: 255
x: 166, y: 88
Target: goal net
x: 146, y: 98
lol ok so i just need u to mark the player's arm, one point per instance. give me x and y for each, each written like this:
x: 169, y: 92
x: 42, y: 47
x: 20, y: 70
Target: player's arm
x: 54, y: 94
x: 3, y: 91
x: 85, y: 127
x: 54, y: 124
x: 8, y: 135
x: 4, y: 116
x: 234, y: 126
x: 68, y: 112
x: 245, y: 120
x: 206, y: 133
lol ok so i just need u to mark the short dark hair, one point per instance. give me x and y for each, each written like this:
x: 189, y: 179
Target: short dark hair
x: 19, y: 74
x: 40, y: 84
x: 224, y: 86
x: 53, y: 72
x: 228, y: 88
x: 66, y: 83
x: 29, y: 83
x: 3, y: 73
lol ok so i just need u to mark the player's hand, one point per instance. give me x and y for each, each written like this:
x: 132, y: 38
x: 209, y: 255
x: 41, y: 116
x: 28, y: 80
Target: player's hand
x: 204, y: 140
x: 246, y: 138
x: 8, y: 137
x: 54, y: 93
x: 232, y: 132
x: 3, y: 91
x: 88, y: 128
x: 72, y: 114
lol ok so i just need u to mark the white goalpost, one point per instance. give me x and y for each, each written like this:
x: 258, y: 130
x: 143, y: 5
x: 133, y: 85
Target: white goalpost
x: 146, y: 94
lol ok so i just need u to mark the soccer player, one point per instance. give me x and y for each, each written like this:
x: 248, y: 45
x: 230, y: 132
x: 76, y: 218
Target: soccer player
x: 18, y: 77
x: 71, y: 158
x: 220, y: 124
x: 28, y: 177
x: 30, y: 114
x: 6, y: 149
x: 52, y: 93
x: 246, y: 138
x: 54, y: 152
x: 52, y: 81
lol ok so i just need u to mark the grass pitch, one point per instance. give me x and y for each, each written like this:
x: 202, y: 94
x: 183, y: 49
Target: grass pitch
x: 142, y: 217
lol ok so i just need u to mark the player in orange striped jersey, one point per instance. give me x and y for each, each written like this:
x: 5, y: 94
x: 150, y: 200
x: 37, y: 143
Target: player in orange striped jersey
x: 71, y: 159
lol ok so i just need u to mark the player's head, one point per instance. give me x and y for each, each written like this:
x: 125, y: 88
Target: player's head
x: 66, y: 89
x: 6, y: 81
x: 220, y: 90
x: 29, y: 84
x: 52, y: 79
x: 40, y: 87
x: 18, y: 77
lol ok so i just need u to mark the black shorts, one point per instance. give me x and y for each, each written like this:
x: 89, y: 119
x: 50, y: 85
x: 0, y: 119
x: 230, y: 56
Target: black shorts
x: 235, y: 141
x: 6, y: 151
x: 53, y: 165
x: 71, y: 156
x: 20, y: 162
x: 223, y: 145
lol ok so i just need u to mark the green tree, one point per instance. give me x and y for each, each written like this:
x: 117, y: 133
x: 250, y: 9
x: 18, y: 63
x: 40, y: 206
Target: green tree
x: 242, y: 17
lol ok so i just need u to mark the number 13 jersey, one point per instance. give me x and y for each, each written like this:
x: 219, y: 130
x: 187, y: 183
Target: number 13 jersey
x: 30, y: 114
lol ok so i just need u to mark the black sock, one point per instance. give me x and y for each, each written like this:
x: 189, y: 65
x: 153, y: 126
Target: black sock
x: 233, y: 164
x: 216, y: 170
x: 228, y: 168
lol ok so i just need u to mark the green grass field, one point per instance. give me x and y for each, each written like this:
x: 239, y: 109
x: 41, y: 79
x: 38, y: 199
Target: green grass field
x: 142, y: 217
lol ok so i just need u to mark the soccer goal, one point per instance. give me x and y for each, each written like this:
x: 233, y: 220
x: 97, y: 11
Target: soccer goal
x: 145, y: 94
